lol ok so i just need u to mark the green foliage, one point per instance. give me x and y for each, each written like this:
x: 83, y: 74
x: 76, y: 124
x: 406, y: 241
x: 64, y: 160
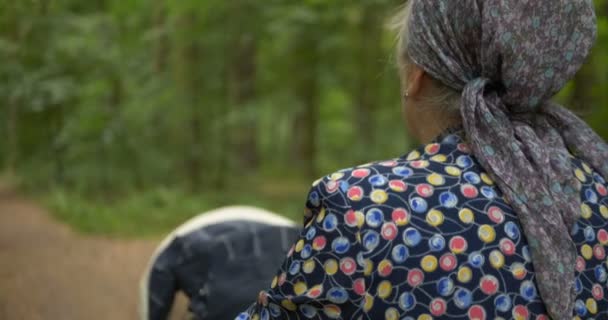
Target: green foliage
x: 128, y: 116
x: 142, y: 214
x: 159, y: 210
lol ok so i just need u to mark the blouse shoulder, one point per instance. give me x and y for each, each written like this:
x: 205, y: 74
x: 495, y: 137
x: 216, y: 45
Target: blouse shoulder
x: 362, y: 186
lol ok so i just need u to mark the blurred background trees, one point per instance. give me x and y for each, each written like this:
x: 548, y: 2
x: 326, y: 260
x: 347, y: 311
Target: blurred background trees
x: 126, y: 116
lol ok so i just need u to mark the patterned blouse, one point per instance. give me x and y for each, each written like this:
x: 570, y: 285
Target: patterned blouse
x: 427, y: 236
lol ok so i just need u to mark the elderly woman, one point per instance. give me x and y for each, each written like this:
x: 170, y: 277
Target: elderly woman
x: 502, y: 214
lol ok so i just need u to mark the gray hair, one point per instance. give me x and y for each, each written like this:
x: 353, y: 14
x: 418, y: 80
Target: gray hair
x: 443, y: 98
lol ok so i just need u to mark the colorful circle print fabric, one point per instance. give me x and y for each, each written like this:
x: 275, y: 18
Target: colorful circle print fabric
x: 428, y: 236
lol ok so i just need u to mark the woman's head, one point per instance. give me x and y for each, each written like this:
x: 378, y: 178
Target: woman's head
x: 497, y: 63
x: 429, y: 106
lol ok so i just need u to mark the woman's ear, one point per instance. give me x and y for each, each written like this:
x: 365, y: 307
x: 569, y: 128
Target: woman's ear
x: 414, y: 82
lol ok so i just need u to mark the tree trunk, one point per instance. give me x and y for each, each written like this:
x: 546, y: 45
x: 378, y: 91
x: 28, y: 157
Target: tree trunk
x: 223, y: 146
x: 194, y: 151
x: 12, y: 132
x: 13, y: 105
x: 306, y: 91
x: 366, y: 87
x: 242, y: 73
x: 161, y: 48
x: 44, y: 7
x: 58, y: 146
x: 306, y: 126
x: 189, y: 57
x: 243, y: 83
x: 581, y: 98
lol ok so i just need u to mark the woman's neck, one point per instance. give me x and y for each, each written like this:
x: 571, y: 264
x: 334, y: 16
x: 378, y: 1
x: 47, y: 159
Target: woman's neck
x: 435, y: 126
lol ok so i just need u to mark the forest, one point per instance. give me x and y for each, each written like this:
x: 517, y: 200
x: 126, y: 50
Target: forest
x: 126, y: 117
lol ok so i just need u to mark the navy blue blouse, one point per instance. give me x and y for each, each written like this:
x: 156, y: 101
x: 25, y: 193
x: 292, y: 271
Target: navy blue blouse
x: 426, y: 236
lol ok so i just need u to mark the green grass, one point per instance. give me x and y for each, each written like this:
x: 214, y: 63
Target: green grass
x: 156, y: 211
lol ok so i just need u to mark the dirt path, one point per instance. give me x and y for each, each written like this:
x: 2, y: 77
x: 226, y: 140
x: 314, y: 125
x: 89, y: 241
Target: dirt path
x: 47, y: 271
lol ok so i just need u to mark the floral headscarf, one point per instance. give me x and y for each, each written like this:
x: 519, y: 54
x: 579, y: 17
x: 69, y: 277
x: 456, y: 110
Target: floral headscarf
x: 509, y: 58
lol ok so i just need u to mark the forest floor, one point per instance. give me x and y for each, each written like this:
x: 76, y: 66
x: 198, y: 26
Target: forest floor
x: 48, y: 271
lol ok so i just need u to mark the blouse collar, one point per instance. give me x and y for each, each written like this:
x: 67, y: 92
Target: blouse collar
x: 452, y: 135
